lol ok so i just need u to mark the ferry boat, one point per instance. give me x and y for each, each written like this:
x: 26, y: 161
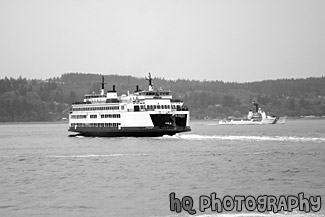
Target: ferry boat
x: 253, y: 118
x: 142, y: 113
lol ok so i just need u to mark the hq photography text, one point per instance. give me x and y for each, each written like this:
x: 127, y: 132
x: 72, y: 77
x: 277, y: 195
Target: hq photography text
x: 262, y: 203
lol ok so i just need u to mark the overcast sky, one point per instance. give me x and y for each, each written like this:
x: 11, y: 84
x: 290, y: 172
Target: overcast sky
x: 244, y: 40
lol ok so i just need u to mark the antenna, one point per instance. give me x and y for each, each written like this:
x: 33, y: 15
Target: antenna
x: 150, y: 82
x: 149, y: 79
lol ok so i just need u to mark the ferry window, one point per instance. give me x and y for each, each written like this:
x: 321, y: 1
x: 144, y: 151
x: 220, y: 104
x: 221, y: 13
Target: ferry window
x: 158, y: 106
x: 154, y: 107
x: 168, y: 106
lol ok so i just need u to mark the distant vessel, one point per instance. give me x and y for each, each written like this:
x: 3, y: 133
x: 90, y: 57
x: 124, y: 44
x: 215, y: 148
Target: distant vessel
x: 253, y: 118
x: 143, y: 113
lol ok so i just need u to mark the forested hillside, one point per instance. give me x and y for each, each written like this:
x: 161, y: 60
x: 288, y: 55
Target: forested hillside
x: 23, y: 99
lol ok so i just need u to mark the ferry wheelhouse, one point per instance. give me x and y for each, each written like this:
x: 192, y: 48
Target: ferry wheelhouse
x: 143, y: 113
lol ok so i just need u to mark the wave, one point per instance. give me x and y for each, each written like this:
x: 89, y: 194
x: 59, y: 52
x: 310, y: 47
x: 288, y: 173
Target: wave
x: 246, y: 138
x: 95, y: 155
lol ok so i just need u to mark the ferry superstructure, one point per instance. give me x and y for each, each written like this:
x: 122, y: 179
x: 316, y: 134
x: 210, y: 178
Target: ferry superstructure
x: 143, y: 113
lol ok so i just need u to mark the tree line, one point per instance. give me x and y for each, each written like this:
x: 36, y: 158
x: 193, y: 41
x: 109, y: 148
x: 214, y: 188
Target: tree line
x: 24, y: 99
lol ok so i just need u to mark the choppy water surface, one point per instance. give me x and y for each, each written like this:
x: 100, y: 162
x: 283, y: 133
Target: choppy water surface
x: 46, y: 173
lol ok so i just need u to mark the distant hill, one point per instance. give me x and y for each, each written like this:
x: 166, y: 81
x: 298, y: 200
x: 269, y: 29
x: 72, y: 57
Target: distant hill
x: 22, y: 99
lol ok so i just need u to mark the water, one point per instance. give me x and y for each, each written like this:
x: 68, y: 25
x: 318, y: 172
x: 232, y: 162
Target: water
x: 46, y: 173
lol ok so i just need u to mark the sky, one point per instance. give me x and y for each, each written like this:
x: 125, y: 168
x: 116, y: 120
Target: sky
x: 229, y: 40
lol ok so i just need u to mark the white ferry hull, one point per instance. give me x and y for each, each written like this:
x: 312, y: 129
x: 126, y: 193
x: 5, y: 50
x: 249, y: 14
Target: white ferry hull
x: 137, y: 124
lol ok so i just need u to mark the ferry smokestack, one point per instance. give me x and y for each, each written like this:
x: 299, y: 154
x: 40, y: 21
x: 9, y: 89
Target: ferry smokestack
x: 137, y: 90
x: 102, y: 91
x: 114, y: 88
